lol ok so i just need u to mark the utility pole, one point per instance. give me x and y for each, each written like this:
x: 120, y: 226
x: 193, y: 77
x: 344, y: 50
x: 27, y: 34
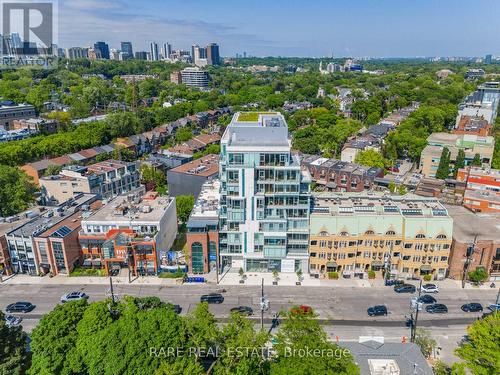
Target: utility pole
x: 418, y: 306
x: 216, y: 267
x: 469, y: 252
x: 387, y: 263
x: 262, y: 305
x: 112, y: 292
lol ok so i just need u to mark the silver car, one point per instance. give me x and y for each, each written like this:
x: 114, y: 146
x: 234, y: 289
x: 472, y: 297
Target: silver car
x: 13, y: 321
x: 73, y: 296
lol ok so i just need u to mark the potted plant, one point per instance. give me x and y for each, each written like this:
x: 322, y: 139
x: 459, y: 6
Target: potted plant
x: 242, y: 275
x: 299, y: 277
x: 371, y: 274
x: 275, y: 277
x: 333, y: 275
x: 427, y: 277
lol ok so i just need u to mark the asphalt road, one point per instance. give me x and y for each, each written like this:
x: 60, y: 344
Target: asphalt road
x: 336, y: 306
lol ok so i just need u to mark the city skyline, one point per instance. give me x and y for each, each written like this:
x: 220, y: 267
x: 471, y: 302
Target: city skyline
x: 391, y: 29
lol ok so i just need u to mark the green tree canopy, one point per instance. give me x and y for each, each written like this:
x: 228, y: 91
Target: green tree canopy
x: 476, y: 162
x: 16, y: 192
x: 481, y: 352
x: 443, y: 170
x: 371, y: 158
x: 14, y: 358
x: 185, y: 204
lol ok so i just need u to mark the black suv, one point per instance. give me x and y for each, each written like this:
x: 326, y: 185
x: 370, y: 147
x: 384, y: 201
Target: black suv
x: 405, y: 288
x: 377, y: 310
x: 426, y: 298
x: 243, y: 310
x: 472, y: 307
x: 437, y: 308
x: 212, y: 298
x: 20, y: 307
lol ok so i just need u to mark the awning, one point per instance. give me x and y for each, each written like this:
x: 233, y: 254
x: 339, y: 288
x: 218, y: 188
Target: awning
x: 331, y: 185
x: 377, y: 263
x: 425, y: 267
x: 331, y: 264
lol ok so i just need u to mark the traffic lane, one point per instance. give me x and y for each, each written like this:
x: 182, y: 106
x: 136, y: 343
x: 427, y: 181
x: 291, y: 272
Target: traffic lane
x: 338, y: 303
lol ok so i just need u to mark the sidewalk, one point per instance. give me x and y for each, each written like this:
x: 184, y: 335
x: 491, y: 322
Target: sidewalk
x: 233, y: 278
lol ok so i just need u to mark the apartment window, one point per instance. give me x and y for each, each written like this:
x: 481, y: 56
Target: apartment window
x: 419, y: 246
x: 367, y: 254
x: 417, y: 258
x: 341, y: 256
x: 420, y: 235
x: 323, y: 234
x: 405, y: 269
x: 435, y: 259
x: 314, y: 243
x: 441, y: 237
x: 322, y: 255
x: 390, y: 233
x: 313, y: 255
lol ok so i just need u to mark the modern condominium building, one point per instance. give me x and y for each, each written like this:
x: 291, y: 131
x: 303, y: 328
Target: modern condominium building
x: 352, y: 234
x: 264, y: 207
x: 194, y: 77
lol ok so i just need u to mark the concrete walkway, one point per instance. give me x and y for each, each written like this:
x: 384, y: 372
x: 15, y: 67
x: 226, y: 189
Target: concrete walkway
x: 232, y: 278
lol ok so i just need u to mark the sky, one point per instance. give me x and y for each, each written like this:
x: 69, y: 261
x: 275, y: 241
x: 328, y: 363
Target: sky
x: 307, y: 28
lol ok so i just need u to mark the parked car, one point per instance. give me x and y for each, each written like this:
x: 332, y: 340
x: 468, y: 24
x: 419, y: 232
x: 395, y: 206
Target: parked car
x: 392, y: 282
x: 377, y: 310
x: 430, y: 288
x: 177, y: 308
x: 405, y: 288
x: 243, y: 310
x: 13, y: 321
x: 24, y: 307
x: 494, y: 306
x: 73, y: 296
x: 212, y: 298
x: 427, y: 298
x: 437, y: 308
x: 472, y: 307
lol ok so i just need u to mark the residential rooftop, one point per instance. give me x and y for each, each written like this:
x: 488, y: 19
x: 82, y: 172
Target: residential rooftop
x: 205, y: 166
x: 132, y: 208
x: 345, y: 204
x: 467, y: 225
x: 50, y: 218
x: 206, y: 209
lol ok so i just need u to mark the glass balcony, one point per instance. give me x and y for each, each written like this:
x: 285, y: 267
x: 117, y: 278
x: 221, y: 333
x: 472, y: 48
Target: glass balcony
x: 274, y: 251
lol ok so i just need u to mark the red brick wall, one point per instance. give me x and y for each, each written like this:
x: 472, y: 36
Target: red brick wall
x: 483, y: 256
x: 204, y: 239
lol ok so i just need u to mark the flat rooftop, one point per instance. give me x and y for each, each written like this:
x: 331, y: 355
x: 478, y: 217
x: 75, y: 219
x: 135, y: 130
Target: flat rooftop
x: 257, y: 130
x: 467, y: 224
x: 206, y: 209
x: 132, y: 208
x: 52, y: 217
x: 205, y: 166
x: 379, y: 204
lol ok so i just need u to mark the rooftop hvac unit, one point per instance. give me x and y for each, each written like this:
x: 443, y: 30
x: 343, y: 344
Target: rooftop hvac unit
x: 146, y: 209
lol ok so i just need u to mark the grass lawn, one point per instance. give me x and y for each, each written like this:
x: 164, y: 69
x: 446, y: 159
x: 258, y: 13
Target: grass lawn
x: 252, y: 116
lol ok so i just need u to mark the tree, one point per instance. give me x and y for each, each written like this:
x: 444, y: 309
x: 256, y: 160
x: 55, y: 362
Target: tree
x: 184, y: 204
x: 123, y: 153
x: 14, y: 358
x: 426, y: 343
x: 444, y: 164
x: 53, y: 170
x: 183, y: 135
x: 301, y: 332
x: 241, y: 347
x: 16, y: 192
x: 476, y: 162
x: 53, y: 340
x: 478, y: 275
x: 481, y: 352
x: 459, y: 163
x: 371, y: 158
x: 154, y: 178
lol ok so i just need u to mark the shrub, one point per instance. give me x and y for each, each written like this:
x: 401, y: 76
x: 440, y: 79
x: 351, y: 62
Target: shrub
x: 427, y: 277
x: 172, y: 275
x: 88, y: 272
x: 333, y: 275
x: 478, y: 275
x: 371, y: 274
